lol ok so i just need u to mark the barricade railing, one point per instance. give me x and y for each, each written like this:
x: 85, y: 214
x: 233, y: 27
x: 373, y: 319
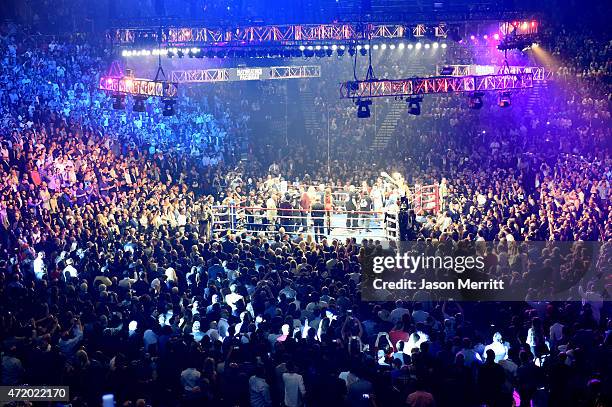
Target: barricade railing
x: 335, y: 222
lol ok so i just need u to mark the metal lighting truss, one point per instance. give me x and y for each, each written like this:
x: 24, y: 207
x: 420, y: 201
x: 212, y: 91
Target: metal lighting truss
x: 295, y: 72
x: 200, y: 76
x: 539, y: 73
x: 378, y: 88
x: 229, y: 74
x: 128, y: 85
x: 269, y: 34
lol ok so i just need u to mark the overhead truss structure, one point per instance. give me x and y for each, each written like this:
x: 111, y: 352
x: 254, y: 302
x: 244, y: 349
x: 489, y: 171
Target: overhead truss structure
x: 200, y: 76
x: 295, y: 72
x: 539, y: 73
x: 242, y: 74
x: 127, y: 85
x: 257, y: 35
x: 379, y: 88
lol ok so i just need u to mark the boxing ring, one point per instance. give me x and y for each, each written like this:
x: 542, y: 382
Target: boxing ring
x: 336, y: 223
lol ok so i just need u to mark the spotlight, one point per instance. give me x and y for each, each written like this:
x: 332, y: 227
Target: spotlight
x: 410, y: 46
x: 318, y: 47
x: 118, y: 102
x: 363, y: 52
x: 367, y: 46
x: 475, y: 100
x: 334, y: 47
x: 427, y: 46
x: 401, y: 45
x: 125, y: 53
x: 496, y: 36
x: 443, y: 45
x: 414, y: 105
x: 302, y: 48
x: 375, y: 46
x: 392, y: 46
x: 435, y: 45
x: 418, y: 45
x: 383, y: 46
x: 472, y: 37
x: 363, y: 108
x: 139, y: 105
x: 486, y: 37
x: 504, y: 99
x: 168, y: 109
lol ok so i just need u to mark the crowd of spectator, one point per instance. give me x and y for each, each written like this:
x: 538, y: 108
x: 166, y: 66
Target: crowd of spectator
x: 112, y: 280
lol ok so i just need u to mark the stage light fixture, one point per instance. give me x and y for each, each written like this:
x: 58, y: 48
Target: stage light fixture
x: 375, y: 46
x: 401, y: 45
x: 504, y: 99
x: 427, y: 46
x: 410, y: 46
x: 475, y: 100
x: 302, y: 48
x: 118, y: 102
x: 414, y: 105
x: 383, y: 46
x: 443, y: 45
x: 168, y: 109
x: 392, y: 46
x: 418, y: 45
x: 363, y: 108
x: 139, y: 105
x: 435, y: 45
x: 367, y: 46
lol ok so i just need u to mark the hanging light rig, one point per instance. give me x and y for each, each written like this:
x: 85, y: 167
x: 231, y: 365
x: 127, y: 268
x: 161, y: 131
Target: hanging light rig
x: 120, y: 85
